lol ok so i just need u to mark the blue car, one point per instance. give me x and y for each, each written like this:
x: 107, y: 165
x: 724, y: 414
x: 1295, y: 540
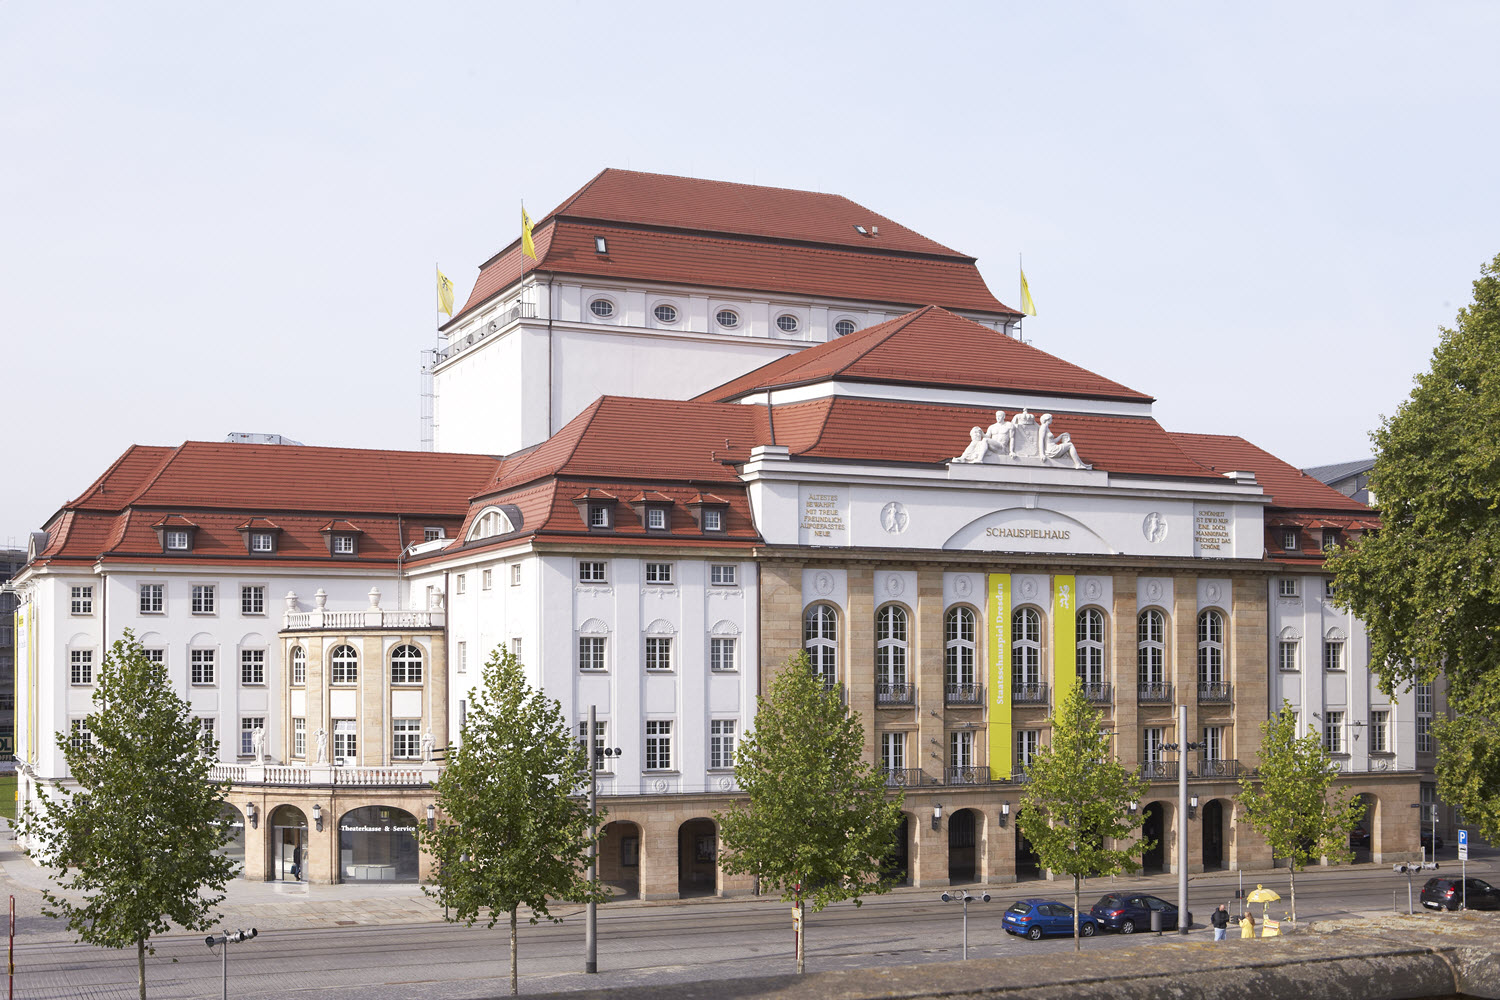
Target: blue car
x: 1034, y: 917
x: 1131, y: 912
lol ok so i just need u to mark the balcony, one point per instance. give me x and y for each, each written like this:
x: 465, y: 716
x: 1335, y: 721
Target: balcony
x: 891, y: 694
x: 1214, y: 693
x: 1030, y: 694
x: 1159, y: 770
x: 1218, y: 768
x: 1098, y: 694
x: 1153, y: 693
x: 1019, y: 776
x: 524, y: 310
x: 404, y: 621
x: 322, y: 775
x: 903, y: 777
x: 963, y: 695
x: 966, y: 775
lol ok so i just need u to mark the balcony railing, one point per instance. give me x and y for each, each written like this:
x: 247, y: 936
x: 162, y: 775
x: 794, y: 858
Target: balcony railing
x: 1215, y: 693
x: 1159, y: 770
x: 903, y: 777
x: 1153, y: 693
x: 1098, y: 694
x: 831, y: 683
x: 1030, y: 694
x: 966, y: 775
x: 524, y: 310
x: 372, y: 618
x: 963, y: 694
x: 1218, y: 768
x: 418, y: 773
x: 895, y: 693
x: 1019, y: 776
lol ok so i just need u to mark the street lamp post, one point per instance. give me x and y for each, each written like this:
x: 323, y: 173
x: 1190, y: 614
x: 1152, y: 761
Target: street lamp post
x: 966, y: 899
x: 225, y: 939
x: 1183, y: 748
x: 591, y: 912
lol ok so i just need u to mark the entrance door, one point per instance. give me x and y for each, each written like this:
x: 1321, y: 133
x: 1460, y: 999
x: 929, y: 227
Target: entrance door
x: 289, y: 840
x: 1213, y: 834
x: 1152, y: 828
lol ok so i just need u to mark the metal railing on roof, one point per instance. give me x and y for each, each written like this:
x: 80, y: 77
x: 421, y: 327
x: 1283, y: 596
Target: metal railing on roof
x: 523, y: 310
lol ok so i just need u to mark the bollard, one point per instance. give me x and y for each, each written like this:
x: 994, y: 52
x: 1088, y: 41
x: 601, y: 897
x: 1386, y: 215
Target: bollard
x: 1156, y: 922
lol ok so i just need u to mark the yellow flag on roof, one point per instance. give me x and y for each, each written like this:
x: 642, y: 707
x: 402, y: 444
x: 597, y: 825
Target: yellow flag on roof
x: 1028, y: 307
x: 445, y: 293
x: 527, y: 246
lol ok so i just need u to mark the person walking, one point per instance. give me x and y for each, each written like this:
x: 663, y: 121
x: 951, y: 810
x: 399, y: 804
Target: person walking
x: 1247, y: 925
x: 1220, y: 922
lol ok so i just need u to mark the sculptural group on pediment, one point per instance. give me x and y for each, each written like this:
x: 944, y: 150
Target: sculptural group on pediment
x: 1021, y: 440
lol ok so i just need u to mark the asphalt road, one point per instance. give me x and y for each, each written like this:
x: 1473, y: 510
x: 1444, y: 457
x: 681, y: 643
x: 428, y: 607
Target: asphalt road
x: 638, y: 945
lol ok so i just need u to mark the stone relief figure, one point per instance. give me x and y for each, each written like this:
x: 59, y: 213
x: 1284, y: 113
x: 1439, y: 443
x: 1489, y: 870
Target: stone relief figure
x: 427, y: 745
x: 322, y: 746
x: 1002, y: 435
x: 979, y: 446
x: 1055, y: 446
x: 258, y: 744
x: 1021, y: 439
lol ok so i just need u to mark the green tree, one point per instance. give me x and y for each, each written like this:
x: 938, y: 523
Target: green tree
x: 513, y: 830
x: 141, y: 837
x: 817, y: 821
x: 1077, y: 799
x: 1292, y: 800
x: 1427, y: 585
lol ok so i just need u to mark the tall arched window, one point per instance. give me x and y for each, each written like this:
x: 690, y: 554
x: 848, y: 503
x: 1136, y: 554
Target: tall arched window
x: 958, y: 653
x: 345, y: 665
x: 299, y: 666
x: 1026, y: 652
x: 1210, y: 649
x: 890, y: 649
x: 820, y: 637
x: 1151, y: 650
x: 406, y: 665
x: 1091, y: 649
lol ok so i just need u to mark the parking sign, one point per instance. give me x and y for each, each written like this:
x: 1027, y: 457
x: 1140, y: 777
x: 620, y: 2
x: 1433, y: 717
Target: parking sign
x: 1463, y: 845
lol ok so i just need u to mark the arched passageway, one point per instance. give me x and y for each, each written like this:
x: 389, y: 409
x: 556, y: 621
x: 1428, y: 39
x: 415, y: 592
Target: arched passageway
x: 1213, y: 819
x: 288, y: 845
x: 1153, y: 830
x: 620, y: 858
x: 234, y: 850
x: 697, y: 858
x: 897, y: 864
x: 1364, y: 836
x: 962, y: 840
x: 1028, y: 862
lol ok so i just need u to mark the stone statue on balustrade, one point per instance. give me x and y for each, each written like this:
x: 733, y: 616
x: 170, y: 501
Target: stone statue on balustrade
x: 322, y: 746
x: 258, y: 744
x: 1021, y: 440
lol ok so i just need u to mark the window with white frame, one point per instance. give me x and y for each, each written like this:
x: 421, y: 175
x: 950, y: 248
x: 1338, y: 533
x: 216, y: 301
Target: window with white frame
x: 1290, y: 540
x: 603, y: 308
x: 345, y: 740
x: 592, y: 571
x: 1090, y: 639
x: 299, y: 738
x: 893, y: 751
x: 961, y: 748
x: 1213, y: 743
x: 406, y: 664
x: 515, y: 646
x: 299, y: 666
x: 727, y: 318
x: 591, y: 649
x: 658, y: 652
x: 665, y: 313
x: 890, y: 647
x: 1286, y: 655
x: 156, y: 654
x: 79, y: 733
x: 486, y: 579
x: 1028, y: 742
x: 406, y: 739
x: 252, y: 599
x: 958, y: 649
x: 248, y: 725
x: 252, y: 666
x: 713, y: 520
x: 208, y: 733
x: 515, y: 574
x: 1026, y: 647
x: 601, y: 762
x: 432, y: 534
x: 462, y: 666
x: 1151, y: 647
x: 1331, y: 539
x: 1153, y: 738
x: 81, y: 664
x: 201, y: 665
x: 658, y: 745
x: 723, y: 574
x: 656, y: 518
x: 1286, y: 586
x: 203, y: 599
x: 820, y: 636
x: 1380, y: 731
x: 1333, y: 732
x: 1333, y: 654
x: 659, y: 573
x: 598, y: 515
x: 721, y: 734
x: 343, y: 545
x: 345, y: 663
x: 153, y: 598
x: 1210, y: 648
x: 844, y: 327
x: 461, y: 583
x: 262, y: 542
x: 82, y: 600
x: 177, y: 540
x: 1423, y: 694
x: 787, y: 323
x: 721, y: 653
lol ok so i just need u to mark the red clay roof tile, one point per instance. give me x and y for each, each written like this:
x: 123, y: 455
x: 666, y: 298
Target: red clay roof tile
x: 1288, y: 486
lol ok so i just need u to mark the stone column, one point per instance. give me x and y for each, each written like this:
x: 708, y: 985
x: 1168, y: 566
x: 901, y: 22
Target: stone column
x: 374, y: 702
x: 1249, y: 667
x: 1122, y: 670
x: 928, y: 673
x: 858, y: 660
x: 780, y: 617
x: 658, y: 853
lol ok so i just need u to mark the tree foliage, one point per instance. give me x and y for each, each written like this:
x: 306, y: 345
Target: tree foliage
x: 141, y: 837
x: 817, y: 821
x: 1077, y: 799
x: 513, y: 829
x: 1293, y: 801
x: 1427, y: 585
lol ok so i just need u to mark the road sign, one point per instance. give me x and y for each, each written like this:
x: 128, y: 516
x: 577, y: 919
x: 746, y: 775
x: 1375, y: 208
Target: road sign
x: 1463, y: 845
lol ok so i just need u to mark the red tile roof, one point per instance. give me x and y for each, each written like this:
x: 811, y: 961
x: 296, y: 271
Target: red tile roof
x: 126, y: 475
x: 930, y: 347
x: 1288, y: 486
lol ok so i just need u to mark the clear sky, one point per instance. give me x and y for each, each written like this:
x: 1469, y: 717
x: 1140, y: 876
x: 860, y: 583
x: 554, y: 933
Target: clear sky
x: 224, y: 217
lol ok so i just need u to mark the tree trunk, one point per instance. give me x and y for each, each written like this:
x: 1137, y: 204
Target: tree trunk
x: 1077, y: 941
x: 1291, y: 868
x: 140, y: 964
x: 514, y: 990
x: 801, y: 937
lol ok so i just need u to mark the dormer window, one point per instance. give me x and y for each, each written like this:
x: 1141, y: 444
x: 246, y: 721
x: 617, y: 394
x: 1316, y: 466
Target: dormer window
x: 175, y: 533
x: 713, y: 520
x: 179, y: 540
x: 344, y: 545
x: 1290, y: 540
x: 492, y: 521
x: 260, y: 536
x: 654, y: 509
x: 710, y: 511
x: 598, y: 515
x: 597, y: 508
x: 262, y: 541
x: 343, y: 539
x: 1330, y: 538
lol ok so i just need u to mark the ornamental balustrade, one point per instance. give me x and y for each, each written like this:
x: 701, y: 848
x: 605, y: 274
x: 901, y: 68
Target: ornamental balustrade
x: 903, y: 777
x: 372, y: 618
x: 963, y: 694
x: 1218, y: 767
x: 1214, y: 693
x: 524, y: 310
x: 1098, y: 693
x: 895, y: 693
x: 416, y: 774
x: 1153, y: 693
x: 1159, y: 770
x: 1030, y: 694
x: 966, y: 775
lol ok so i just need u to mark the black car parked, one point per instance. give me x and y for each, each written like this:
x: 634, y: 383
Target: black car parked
x: 1130, y: 913
x: 1448, y: 894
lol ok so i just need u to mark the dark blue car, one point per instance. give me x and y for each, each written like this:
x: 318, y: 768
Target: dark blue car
x: 1128, y: 913
x: 1034, y: 917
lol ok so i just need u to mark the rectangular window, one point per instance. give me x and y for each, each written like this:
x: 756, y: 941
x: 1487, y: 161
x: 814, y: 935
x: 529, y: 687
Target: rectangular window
x: 83, y: 600
x: 252, y: 666
x: 591, y: 652
x: 1028, y: 741
x: 486, y: 579
x: 598, y: 516
x: 1333, y: 732
x: 658, y: 745
x: 515, y: 646
x: 156, y: 655
x: 463, y: 658
x: 1155, y: 736
x: 515, y: 575
x: 81, y: 736
x: 253, y: 600
x: 207, y: 735
x: 203, y: 598
x: 721, y: 653
x: 343, y: 545
x: 713, y: 520
x: 1289, y: 540
x: 248, y: 725
x: 345, y: 741
x: 431, y: 534
x: 262, y: 541
x: 656, y: 519
x: 406, y: 739
x: 152, y: 598
x: 1380, y: 732
x: 299, y: 738
x: 1424, y: 718
x: 202, y: 661
x: 1286, y: 655
x: 461, y: 583
x: 1330, y: 538
x: 1333, y: 654
x: 1328, y: 588
x: 658, y: 652
x: 82, y: 663
x: 1286, y: 586
x: 658, y: 572
x: 961, y: 749
x: 591, y: 572
x: 1213, y: 742
x: 722, y: 574
x: 177, y: 541
x: 721, y: 743
x: 601, y: 762
x: 893, y: 751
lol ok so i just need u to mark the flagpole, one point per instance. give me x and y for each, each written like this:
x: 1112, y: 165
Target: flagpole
x: 1021, y: 277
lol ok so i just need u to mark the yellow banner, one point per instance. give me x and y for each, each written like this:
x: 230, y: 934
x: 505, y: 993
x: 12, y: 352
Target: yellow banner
x: 998, y: 718
x: 25, y: 682
x: 1064, y: 638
